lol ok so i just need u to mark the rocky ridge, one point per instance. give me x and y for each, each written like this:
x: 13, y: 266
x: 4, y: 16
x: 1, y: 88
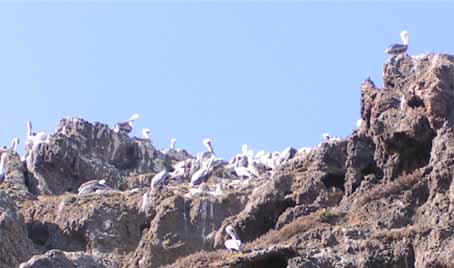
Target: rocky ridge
x: 381, y: 197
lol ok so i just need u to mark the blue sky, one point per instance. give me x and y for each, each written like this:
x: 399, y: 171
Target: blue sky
x: 267, y: 74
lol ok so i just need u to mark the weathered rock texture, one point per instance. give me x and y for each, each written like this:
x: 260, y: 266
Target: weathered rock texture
x: 81, y: 151
x: 382, y: 197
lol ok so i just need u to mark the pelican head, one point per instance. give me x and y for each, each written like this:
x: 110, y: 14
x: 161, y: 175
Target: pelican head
x: 146, y: 133
x: 404, y: 37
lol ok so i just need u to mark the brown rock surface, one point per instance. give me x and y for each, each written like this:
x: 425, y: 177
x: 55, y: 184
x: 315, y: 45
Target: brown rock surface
x: 381, y: 197
x: 15, y: 247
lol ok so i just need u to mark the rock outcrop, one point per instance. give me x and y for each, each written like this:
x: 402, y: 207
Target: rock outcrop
x: 15, y: 246
x: 381, y: 197
x: 80, y: 151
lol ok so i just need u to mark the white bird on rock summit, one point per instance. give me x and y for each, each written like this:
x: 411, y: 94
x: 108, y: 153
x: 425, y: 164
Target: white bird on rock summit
x: 209, y: 144
x: 146, y: 133
x: 126, y: 126
x: 14, y: 144
x: 326, y: 137
x: 234, y: 243
x: 397, y: 49
x: 33, y: 139
x: 173, y: 144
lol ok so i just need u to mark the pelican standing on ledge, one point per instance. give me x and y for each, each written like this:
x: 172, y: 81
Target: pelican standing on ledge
x: 126, y: 126
x: 397, y: 49
x: 234, y: 243
x: 33, y: 139
x: 2, y: 166
x: 14, y: 144
x: 173, y: 144
x: 146, y: 133
x: 209, y: 144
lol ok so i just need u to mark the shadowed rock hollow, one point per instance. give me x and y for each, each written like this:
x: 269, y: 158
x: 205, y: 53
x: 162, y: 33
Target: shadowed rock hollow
x: 381, y: 197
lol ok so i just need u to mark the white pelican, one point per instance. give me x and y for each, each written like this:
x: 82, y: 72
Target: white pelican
x: 33, y: 139
x: 2, y: 166
x: 397, y: 49
x: 234, y: 243
x: 326, y: 136
x: 146, y: 133
x: 14, y: 144
x: 173, y: 144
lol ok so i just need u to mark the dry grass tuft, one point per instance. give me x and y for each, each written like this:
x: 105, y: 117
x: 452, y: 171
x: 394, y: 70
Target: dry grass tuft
x: 400, y: 233
x: 405, y: 182
x: 300, y: 225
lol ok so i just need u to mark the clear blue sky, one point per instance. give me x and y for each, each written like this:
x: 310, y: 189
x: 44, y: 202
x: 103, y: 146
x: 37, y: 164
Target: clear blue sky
x: 266, y: 74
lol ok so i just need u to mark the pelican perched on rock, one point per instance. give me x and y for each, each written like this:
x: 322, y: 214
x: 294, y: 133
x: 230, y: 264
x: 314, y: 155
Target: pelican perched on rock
x: 173, y: 143
x: 126, y: 127
x: 247, y: 152
x: 234, y: 243
x: 14, y: 144
x: 287, y: 154
x: 2, y: 166
x: 33, y: 139
x: 209, y: 145
x: 207, y: 168
x: 209, y: 153
x: 244, y: 172
x: 182, y: 170
x: 397, y: 49
x: 93, y: 186
x: 159, y: 179
x: 326, y: 136
x: 146, y: 133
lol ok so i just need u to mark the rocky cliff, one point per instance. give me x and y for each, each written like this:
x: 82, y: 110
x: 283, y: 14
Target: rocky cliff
x: 381, y: 197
